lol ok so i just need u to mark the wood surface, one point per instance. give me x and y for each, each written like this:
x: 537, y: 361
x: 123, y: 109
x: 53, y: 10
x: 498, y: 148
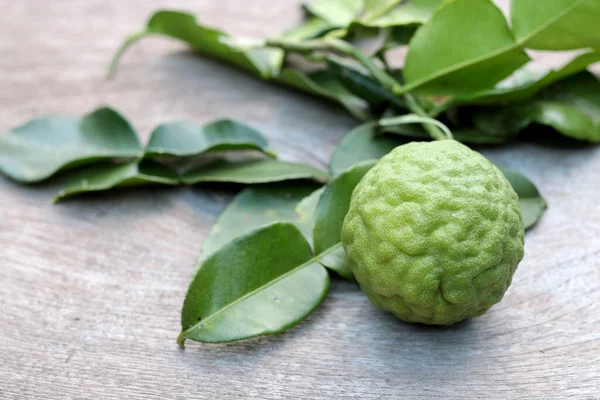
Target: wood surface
x: 90, y: 290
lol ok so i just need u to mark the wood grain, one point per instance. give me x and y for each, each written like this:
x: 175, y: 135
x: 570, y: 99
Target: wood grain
x: 90, y: 290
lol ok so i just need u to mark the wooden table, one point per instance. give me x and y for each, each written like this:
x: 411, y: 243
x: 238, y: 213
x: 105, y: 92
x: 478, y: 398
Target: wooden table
x: 90, y: 290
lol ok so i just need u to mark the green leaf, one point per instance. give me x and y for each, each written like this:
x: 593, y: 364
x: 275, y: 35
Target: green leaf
x: 102, y: 177
x: 339, y: 13
x: 258, y: 206
x: 334, y: 204
x: 581, y: 91
x: 531, y: 202
x: 571, y: 107
x: 517, y: 90
x: 556, y: 24
x: 366, y: 143
x: 207, y: 41
x: 261, y: 283
x: 252, y: 172
x: 187, y: 139
x: 565, y: 119
x: 44, y: 146
x: 465, y: 46
x: 376, y: 8
x: 312, y: 28
x: 325, y: 84
x: 336, y: 260
x: 363, y: 85
x: 413, y: 13
x: 361, y: 144
x: 306, y: 209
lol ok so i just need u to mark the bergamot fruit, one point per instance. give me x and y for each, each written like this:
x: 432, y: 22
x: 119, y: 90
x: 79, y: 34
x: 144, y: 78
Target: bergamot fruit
x: 434, y: 233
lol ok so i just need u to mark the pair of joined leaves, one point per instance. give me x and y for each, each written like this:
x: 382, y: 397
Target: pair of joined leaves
x: 263, y: 267
x: 45, y: 146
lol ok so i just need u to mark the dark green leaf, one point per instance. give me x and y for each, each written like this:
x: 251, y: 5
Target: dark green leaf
x: 335, y: 259
x: 361, y: 144
x: 258, y: 206
x: 102, y: 177
x: 570, y: 106
x: 363, y: 85
x: 261, y: 283
x: 566, y: 119
x: 187, y: 139
x: 333, y: 206
x: 446, y: 56
x: 251, y: 172
x: 44, y: 146
x: 208, y: 41
x: 522, y: 89
x: 556, y: 24
x: 581, y: 91
x: 569, y: 120
x: 326, y: 85
x: 531, y: 202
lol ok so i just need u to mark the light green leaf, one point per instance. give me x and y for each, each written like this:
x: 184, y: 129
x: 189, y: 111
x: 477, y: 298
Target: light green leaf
x: 102, y: 177
x: 334, y: 204
x: 556, y: 24
x: 465, y: 46
x: 531, y: 202
x: 361, y: 144
x: 187, y: 139
x: 306, y: 209
x: 44, y: 146
x: 259, y: 284
x: 409, y: 119
x: 375, y: 8
x: 258, y: 206
x: 522, y: 89
x: 252, y: 172
x: 312, y: 28
x: 338, y: 13
x: 408, y: 13
x: 207, y: 41
x: 326, y: 85
x: 336, y: 260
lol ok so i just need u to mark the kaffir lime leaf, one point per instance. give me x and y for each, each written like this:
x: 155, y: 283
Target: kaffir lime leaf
x: 434, y: 233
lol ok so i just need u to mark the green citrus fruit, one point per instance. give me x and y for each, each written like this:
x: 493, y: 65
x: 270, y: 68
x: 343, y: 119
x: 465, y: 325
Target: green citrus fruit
x: 434, y: 233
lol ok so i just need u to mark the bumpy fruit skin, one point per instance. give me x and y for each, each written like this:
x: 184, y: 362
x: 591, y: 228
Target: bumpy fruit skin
x: 434, y: 233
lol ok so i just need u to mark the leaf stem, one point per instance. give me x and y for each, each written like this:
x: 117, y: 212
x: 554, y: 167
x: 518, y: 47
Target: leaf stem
x: 114, y: 63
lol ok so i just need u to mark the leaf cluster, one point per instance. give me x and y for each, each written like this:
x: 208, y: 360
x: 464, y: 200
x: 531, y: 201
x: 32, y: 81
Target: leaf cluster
x: 102, y: 151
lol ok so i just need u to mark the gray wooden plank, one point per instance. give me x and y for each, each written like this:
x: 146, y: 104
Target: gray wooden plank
x: 90, y: 290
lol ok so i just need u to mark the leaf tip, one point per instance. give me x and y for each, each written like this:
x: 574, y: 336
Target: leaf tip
x: 271, y: 152
x: 58, y: 197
